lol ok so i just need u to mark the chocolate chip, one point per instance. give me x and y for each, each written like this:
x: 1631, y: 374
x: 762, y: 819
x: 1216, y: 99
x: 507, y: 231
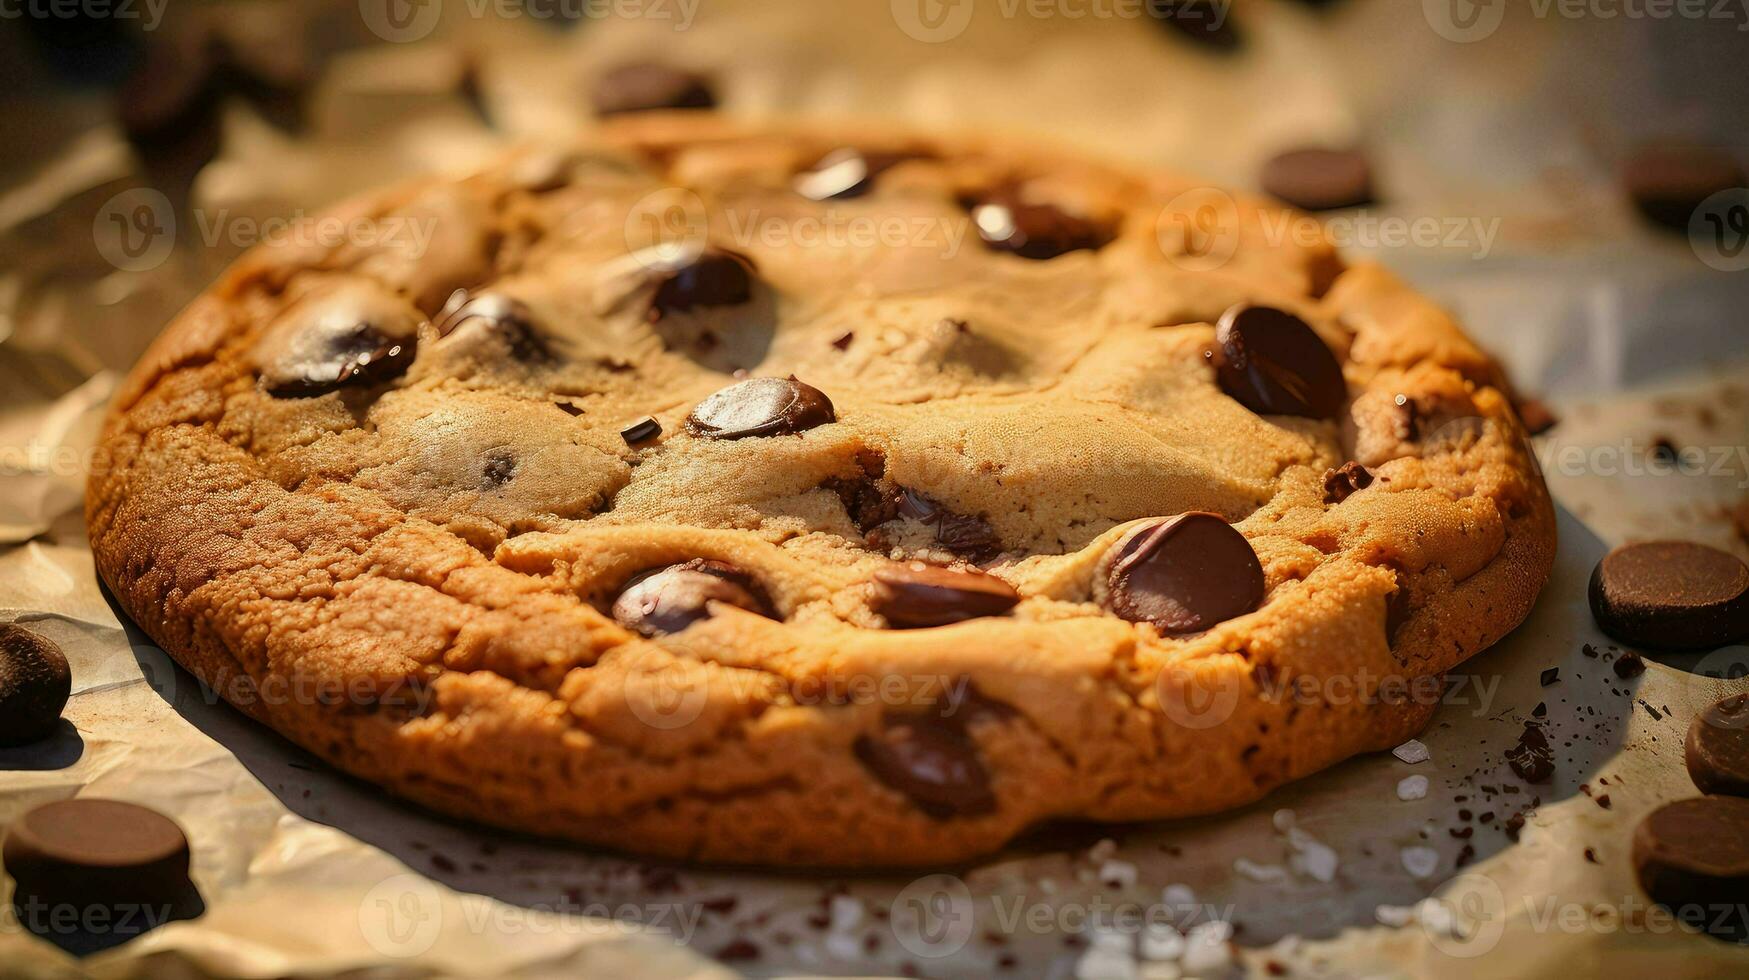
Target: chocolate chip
x: 715, y: 278
x: 1319, y: 179
x: 1672, y: 595
x: 105, y: 861
x: 1694, y: 854
x: 643, y: 430
x: 646, y: 86
x: 965, y: 535
x: 1271, y: 362
x: 500, y: 466
x: 932, y: 761
x: 35, y: 683
x: 842, y: 342
x: 1717, y: 749
x: 917, y: 596
x: 1629, y: 665
x: 670, y: 599
x: 1184, y: 574
x: 1667, y: 183
x: 1033, y: 230
x: 847, y: 172
x: 761, y: 407
x: 353, y: 337
x: 1551, y: 676
x: 1207, y: 21
x: 1532, y: 758
x: 1345, y: 481
x: 498, y: 316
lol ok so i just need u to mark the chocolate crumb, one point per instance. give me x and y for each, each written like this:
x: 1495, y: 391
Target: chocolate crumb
x: 1629, y: 664
x: 1551, y: 675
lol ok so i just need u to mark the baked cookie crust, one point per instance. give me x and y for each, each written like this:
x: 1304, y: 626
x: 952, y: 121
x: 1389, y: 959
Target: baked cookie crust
x: 396, y: 523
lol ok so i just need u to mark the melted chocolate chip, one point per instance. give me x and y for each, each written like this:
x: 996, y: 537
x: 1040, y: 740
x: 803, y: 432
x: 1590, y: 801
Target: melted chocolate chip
x: 1271, y: 362
x: 918, y: 596
x: 1032, y: 230
x: 500, y: 316
x: 1672, y: 595
x: 1717, y: 748
x: 352, y: 337
x: 643, y: 430
x: 35, y: 683
x: 500, y: 467
x: 1184, y: 575
x: 1319, y: 179
x: 1694, y: 854
x: 100, y: 856
x: 715, y: 278
x: 646, y: 86
x: 669, y: 600
x: 761, y: 407
x: 1345, y: 481
x: 963, y: 534
x: 932, y: 761
x: 847, y: 172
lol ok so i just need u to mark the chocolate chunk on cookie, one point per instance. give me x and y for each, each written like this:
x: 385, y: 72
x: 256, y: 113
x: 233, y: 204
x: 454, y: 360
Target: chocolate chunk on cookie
x: 1319, y: 179
x: 715, y: 278
x: 1672, y: 595
x: 1007, y: 222
x: 1695, y: 853
x: 846, y: 173
x: 1667, y: 183
x: 932, y: 761
x: 761, y: 407
x: 1345, y: 481
x: 966, y: 535
x: 35, y: 683
x: 916, y: 595
x: 669, y: 600
x: 498, y: 319
x: 1717, y: 747
x: 1184, y: 575
x: 1271, y: 362
x: 355, y: 335
x: 645, y: 86
x: 114, y: 868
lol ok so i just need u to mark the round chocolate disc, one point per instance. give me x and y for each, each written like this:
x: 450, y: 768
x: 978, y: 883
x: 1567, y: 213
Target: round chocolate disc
x: 761, y: 407
x: 114, y: 868
x: 1319, y: 179
x: 1271, y: 362
x: 35, y: 683
x: 669, y: 600
x: 1693, y: 856
x: 353, y: 336
x: 933, y: 762
x: 916, y: 595
x: 1673, y: 595
x: 1184, y: 575
x: 1717, y: 747
x: 1034, y: 230
x: 715, y: 278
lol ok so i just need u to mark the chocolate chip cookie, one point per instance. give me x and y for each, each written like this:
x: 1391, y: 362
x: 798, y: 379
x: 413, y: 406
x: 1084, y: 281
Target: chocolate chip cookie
x: 792, y: 496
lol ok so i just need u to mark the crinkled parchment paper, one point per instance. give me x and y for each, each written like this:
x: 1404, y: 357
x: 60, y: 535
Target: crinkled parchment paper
x: 306, y: 872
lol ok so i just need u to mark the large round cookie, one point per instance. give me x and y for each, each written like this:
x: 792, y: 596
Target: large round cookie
x: 414, y: 530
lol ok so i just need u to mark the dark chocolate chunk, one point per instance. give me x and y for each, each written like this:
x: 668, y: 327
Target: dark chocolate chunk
x: 1319, y: 179
x: 114, y: 868
x: 1033, y: 230
x: 355, y: 337
x: 1693, y: 856
x: 1672, y: 595
x: 500, y: 467
x: 1717, y: 749
x: 35, y: 683
x: 499, y: 316
x: 1550, y: 676
x: 1532, y: 758
x: 916, y: 595
x: 1271, y: 362
x: 932, y: 761
x: 1667, y: 183
x: 643, y: 430
x: 1629, y: 665
x: 1207, y: 21
x: 963, y: 534
x: 715, y: 278
x: 761, y: 407
x: 847, y: 172
x: 1184, y: 574
x: 646, y: 86
x: 670, y: 599
x: 1345, y: 481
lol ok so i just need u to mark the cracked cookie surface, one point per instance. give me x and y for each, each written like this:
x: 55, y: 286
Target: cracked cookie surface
x: 683, y: 494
